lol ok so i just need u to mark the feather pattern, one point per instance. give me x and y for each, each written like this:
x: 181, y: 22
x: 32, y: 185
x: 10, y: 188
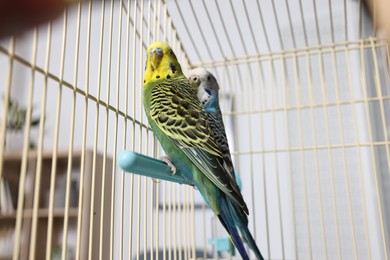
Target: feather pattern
x: 176, y: 110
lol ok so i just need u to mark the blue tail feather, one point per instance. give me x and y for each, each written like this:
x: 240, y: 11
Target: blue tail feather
x: 238, y: 243
x: 251, y: 242
x: 245, y: 233
x: 228, y: 223
x: 233, y: 219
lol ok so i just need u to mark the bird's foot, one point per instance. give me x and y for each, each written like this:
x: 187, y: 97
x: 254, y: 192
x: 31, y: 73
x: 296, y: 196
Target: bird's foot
x: 169, y: 163
x: 157, y: 181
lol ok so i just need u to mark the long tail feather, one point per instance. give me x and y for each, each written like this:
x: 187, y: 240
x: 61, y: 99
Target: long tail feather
x: 232, y: 218
x: 228, y: 223
x: 247, y: 236
x: 245, y: 233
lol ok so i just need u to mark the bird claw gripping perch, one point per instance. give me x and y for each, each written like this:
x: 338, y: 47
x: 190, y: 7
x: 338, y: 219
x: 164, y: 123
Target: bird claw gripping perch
x: 150, y: 167
x: 169, y: 163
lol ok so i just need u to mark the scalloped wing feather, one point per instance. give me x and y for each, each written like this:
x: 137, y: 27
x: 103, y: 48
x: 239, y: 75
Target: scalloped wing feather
x: 177, y: 112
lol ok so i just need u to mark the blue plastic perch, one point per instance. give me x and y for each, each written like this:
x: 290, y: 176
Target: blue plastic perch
x: 147, y: 166
x: 222, y: 244
x: 144, y: 165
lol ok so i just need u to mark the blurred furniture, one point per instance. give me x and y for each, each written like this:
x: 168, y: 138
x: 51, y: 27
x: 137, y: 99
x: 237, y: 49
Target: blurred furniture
x: 12, y: 175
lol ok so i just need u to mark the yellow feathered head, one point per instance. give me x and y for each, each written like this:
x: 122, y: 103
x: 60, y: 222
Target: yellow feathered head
x: 161, y: 63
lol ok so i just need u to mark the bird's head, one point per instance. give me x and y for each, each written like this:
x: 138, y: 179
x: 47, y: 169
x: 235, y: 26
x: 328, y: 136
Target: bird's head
x: 204, y: 83
x: 161, y: 63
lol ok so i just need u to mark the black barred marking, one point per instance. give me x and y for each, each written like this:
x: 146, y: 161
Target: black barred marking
x: 202, y: 123
x: 185, y: 104
x: 180, y: 131
x: 160, y: 95
x: 171, y: 122
x: 203, y: 129
x: 217, y: 126
x: 199, y: 135
x: 172, y: 67
x: 194, y: 114
x: 190, y: 121
x: 179, y: 95
x: 181, y: 112
x: 176, y: 99
x: 162, y: 117
x: 190, y: 133
x: 171, y: 112
x: 174, y: 130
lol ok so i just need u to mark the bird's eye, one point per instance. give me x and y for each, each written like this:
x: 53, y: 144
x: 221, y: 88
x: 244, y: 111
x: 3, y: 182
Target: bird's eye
x: 208, y: 78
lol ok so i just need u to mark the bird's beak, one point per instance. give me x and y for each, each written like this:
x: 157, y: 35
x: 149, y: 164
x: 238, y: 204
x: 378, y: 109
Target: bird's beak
x: 156, y: 55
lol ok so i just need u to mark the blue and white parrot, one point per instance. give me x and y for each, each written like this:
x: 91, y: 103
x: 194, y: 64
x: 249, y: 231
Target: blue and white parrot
x: 207, y: 89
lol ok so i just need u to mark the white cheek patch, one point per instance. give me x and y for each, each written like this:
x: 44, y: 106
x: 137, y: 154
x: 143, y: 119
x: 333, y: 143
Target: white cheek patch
x: 203, y: 96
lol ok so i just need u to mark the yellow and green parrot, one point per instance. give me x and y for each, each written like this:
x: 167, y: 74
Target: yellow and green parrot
x: 181, y: 124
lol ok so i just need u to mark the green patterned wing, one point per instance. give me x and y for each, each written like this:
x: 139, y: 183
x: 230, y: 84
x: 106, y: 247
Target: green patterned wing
x: 179, y: 114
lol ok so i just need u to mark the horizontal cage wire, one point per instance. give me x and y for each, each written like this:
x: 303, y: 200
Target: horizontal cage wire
x: 305, y: 97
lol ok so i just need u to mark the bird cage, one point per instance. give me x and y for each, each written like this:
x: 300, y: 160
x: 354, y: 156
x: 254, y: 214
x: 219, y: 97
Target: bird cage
x: 305, y: 90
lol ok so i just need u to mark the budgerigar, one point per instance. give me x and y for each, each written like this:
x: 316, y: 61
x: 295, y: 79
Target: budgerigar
x: 207, y: 89
x: 180, y: 123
